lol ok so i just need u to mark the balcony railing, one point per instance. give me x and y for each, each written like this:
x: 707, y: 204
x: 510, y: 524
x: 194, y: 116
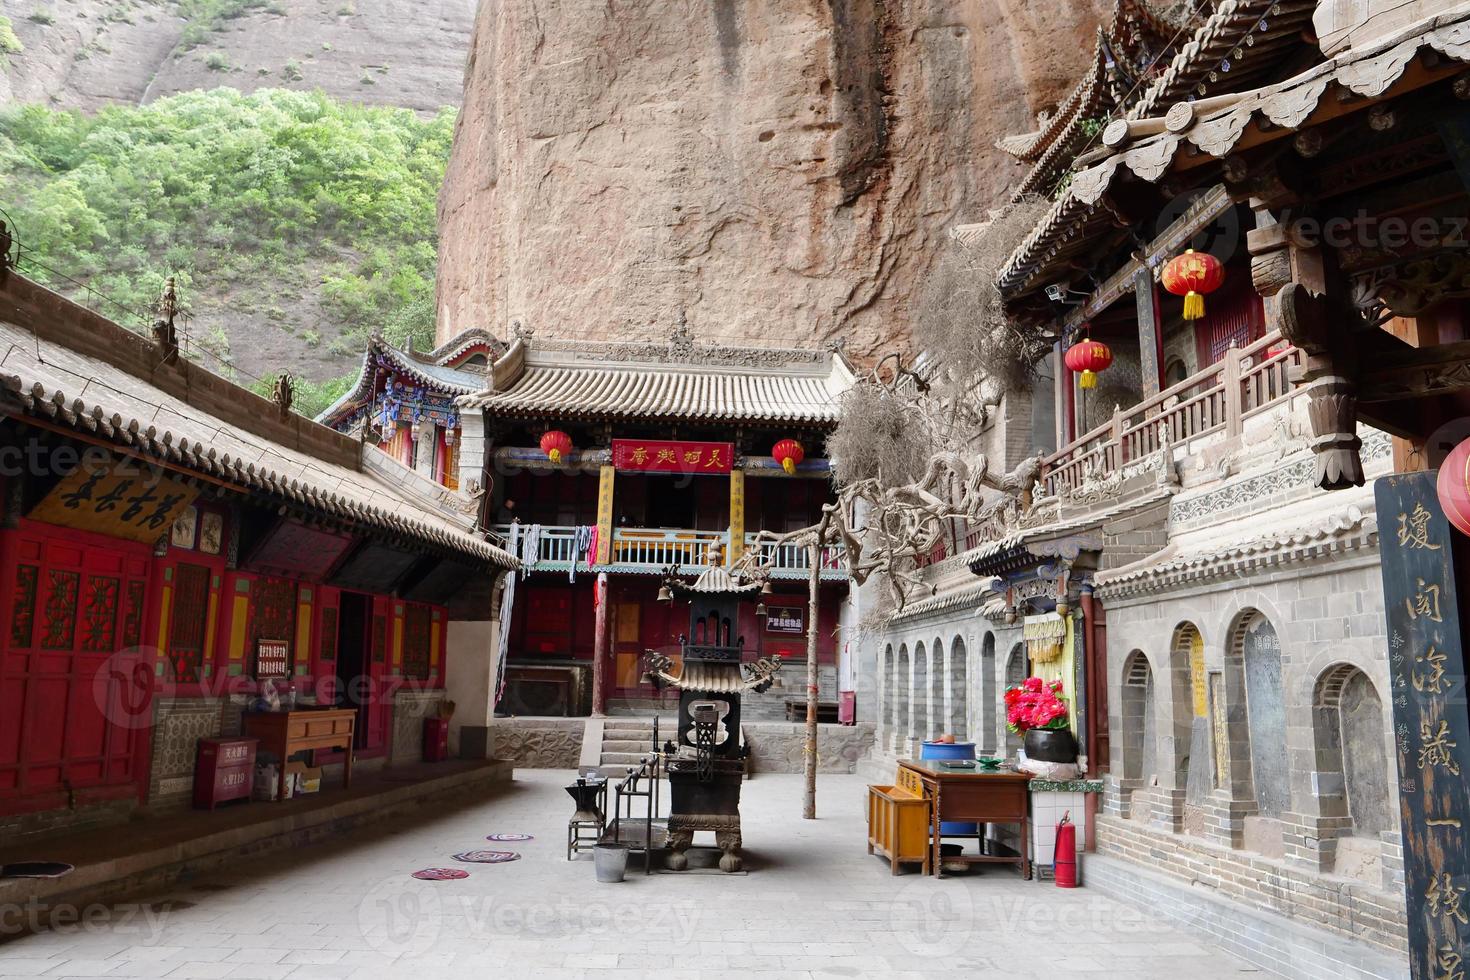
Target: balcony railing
x: 794, y: 560
x: 652, y: 550
x: 1217, y: 399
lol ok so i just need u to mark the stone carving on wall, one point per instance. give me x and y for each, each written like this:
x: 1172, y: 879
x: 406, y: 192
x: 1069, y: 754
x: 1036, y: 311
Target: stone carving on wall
x: 1251, y: 491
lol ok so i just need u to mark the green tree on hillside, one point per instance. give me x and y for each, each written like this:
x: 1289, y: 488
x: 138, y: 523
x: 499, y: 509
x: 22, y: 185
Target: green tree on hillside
x: 236, y: 194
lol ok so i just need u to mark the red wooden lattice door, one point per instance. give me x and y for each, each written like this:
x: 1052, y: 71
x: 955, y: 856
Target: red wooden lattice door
x: 76, y: 685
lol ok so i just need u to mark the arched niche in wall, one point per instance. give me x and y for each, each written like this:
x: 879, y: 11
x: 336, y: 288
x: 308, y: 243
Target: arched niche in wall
x: 1015, y: 674
x: 919, y: 694
x: 901, y: 682
x: 1353, y: 772
x: 1139, y: 736
x: 1192, y: 758
x: 989, y: 698
x: 956, y: 674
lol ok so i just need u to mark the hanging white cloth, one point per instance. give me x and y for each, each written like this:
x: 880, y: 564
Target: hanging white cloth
x: 530, y: 548
x: 507, y: 606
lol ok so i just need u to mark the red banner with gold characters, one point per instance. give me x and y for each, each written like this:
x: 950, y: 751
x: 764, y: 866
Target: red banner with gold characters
x: 667, y: 456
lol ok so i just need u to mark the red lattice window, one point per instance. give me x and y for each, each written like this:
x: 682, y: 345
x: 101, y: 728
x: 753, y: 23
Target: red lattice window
x: 416, y: 635
x: 329, y: 634
x: 99, y: 614
x: 272, y: 611
x: 59, y: 625
x: 23, y: 606
x: 187, y: 625
x: 132, y: 629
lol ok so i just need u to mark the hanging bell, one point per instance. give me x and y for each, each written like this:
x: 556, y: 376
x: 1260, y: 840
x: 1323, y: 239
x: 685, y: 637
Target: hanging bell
x: 664, y: 595
x: 766, y: 588
x: 760, y: 610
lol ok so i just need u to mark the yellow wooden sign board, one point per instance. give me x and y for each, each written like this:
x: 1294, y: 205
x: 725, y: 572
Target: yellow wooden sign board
x: 124, y: 499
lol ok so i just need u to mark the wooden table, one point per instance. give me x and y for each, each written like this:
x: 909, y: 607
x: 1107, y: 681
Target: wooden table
x: 284, y: 733
x: 972, y: 796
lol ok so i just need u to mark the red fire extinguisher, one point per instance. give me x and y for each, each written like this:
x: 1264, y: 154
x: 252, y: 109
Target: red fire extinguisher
x: 1064, y: 858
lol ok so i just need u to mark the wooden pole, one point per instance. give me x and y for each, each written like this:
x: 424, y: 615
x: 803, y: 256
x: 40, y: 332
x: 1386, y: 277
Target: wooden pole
x: 599, y: 646
x: 813, y: 685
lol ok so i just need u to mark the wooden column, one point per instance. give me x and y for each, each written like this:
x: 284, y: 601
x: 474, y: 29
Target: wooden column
x: 1299, y: 287
x: 600, y: 656
x: 1150, y: 339
x: 1061, y: 377
x: 737, y: 517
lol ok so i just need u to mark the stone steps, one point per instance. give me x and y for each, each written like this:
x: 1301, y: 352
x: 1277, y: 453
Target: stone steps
x: 625, y: 741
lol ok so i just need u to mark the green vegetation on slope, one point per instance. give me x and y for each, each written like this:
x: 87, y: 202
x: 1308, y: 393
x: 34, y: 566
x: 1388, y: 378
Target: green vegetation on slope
x: 252, y: 201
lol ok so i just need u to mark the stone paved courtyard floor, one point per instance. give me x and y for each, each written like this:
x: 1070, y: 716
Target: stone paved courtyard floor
x: 814, y: 905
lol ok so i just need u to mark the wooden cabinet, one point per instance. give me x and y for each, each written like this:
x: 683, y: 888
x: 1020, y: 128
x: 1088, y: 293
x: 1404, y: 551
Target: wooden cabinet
x: 225, y: 771
x: 898, y: 825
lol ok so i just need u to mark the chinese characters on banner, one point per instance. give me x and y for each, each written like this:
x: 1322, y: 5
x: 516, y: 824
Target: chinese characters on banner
x: 786, y: 619
x: 124, y: 499
x: 272, y: 659
x: 664, y: 456
x: 1430, y: 722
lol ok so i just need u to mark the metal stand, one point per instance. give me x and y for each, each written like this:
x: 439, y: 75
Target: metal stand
x: 642, y: 783
x: 586, y: 827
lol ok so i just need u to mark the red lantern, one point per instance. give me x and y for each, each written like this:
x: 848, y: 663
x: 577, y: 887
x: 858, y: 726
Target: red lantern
x: 1453, y: 487
x: 556, y: 444
x: 789, y: 454
x: 1088, y: 357
x: 1192, y: 275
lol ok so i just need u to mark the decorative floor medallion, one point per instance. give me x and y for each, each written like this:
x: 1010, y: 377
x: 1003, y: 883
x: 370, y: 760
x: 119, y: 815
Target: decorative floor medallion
x: 487, y: 857
x: 440, y: 874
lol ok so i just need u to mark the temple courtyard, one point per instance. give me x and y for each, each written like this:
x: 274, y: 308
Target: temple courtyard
x: 813, y: 904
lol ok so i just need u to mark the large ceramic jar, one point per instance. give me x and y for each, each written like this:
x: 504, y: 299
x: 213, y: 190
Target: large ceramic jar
x: 1050, y: 745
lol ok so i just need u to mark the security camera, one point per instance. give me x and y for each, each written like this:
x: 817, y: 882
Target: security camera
x: 1055, y: 293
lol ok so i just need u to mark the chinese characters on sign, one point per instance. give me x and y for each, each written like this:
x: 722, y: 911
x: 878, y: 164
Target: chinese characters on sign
x: 663, y: 456
x: 1430, y: 721
x: 123, y: 500
x: 272, y: 659
x: 786, y: 619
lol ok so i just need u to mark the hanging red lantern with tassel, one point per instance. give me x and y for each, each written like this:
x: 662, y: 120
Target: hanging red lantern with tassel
x: 1192, y: 275
x: 1453, y: 488
x: 556, y: 444
x: 789, y: 454
x: 1087, y: 357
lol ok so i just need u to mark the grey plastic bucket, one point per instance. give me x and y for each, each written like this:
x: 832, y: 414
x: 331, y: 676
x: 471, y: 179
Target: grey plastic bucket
x: 611, y: 861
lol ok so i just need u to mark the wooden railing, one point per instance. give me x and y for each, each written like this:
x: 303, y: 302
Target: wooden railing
x: 792, y: 558
x: 1217, y: 399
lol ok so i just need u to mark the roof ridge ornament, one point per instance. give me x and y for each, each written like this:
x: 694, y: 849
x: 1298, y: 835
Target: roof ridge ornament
x: 521, y: 332
x: 681, y: 341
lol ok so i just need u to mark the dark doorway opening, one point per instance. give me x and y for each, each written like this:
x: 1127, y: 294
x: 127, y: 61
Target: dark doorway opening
x: 670, y: 502
x: 354, y: 683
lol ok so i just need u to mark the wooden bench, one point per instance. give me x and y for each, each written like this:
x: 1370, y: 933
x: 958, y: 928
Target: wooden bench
x: 899, y: 818
x: 826, y: 711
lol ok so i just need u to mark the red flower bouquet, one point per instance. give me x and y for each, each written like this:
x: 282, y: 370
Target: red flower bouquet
x: 1035, y: 704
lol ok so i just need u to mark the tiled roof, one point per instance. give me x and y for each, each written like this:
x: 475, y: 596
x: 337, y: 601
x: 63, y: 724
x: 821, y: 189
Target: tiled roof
x: 432, y: 376
x: 599, y: 381
x: 43, y: 379
x: 1232, y: 36
x: 1284, y: 107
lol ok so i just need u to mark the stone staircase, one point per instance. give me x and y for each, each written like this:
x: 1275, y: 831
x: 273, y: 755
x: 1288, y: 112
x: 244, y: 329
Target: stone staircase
x: 625, y: 741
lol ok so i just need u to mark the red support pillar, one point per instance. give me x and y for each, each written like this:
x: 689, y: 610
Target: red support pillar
x: 599, y: 646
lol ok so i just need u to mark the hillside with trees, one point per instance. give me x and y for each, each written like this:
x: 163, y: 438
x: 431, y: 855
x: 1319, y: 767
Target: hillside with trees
x: 296, y: 224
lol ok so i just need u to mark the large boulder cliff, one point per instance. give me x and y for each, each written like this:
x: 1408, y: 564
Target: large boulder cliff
x: 85, y: 54
x: 784, y: 171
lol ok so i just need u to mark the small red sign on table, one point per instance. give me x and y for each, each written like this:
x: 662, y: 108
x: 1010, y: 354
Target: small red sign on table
x: 668, y: 456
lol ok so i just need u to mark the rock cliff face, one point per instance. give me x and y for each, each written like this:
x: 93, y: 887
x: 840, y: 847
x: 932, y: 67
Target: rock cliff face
x: 89, y: 53
x: 783, y: 170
